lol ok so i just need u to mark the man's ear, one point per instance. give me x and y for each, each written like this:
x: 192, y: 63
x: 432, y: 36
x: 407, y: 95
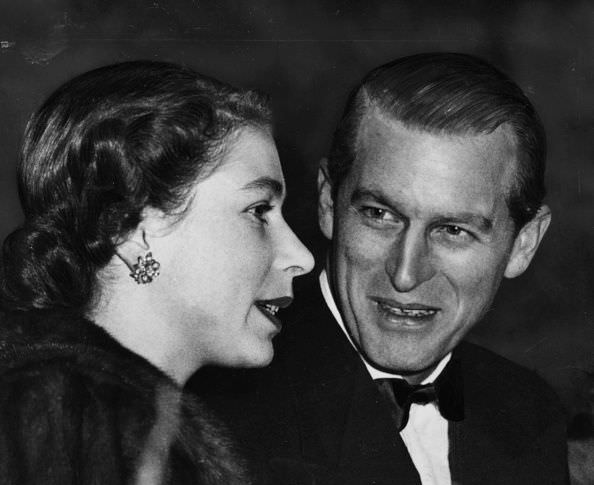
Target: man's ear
x: 325, y: 201
x: 527, y: 242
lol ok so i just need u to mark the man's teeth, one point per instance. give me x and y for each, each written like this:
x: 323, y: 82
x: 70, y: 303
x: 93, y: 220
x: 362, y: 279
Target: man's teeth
x: 403, y: 312
x: 271, y: 308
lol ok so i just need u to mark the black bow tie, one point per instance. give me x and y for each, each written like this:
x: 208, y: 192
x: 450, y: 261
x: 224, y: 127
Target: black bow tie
x: 446, y: 392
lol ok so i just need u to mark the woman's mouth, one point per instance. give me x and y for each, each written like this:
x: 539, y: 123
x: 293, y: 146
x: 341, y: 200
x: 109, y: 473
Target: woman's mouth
x: 271, y: 307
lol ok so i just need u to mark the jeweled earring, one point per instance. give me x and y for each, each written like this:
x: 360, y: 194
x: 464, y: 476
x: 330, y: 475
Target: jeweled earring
x: 146, y: 270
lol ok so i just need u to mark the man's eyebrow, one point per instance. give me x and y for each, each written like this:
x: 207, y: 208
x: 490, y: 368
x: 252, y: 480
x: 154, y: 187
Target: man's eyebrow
x: 266, y: 183
x: 485, y: 224
x: 362, y: 193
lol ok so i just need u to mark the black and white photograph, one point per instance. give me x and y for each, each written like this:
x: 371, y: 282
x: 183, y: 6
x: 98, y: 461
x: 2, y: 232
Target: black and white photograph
x: 297, y: 243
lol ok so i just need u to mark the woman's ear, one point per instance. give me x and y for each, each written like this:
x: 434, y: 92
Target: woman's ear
x: 133, y: 246
x: 527, y: 242
x: 325, y: 201
x: 154, y: 223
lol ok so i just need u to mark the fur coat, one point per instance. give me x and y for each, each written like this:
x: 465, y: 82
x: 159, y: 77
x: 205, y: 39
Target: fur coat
x: 78, y: 408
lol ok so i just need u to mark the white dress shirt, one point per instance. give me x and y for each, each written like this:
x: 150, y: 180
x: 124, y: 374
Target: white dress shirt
x: 426, y: 433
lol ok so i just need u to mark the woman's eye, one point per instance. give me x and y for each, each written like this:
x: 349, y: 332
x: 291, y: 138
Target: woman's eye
x: 259, y: 211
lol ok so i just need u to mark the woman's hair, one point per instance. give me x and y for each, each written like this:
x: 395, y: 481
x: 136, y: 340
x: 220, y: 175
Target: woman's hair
x: 103, y: 147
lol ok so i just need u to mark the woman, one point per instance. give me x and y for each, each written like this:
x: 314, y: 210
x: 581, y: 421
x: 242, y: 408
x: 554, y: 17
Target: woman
x: 153, y: 244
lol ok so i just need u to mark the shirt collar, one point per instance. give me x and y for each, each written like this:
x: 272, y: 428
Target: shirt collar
x: 373, y: 372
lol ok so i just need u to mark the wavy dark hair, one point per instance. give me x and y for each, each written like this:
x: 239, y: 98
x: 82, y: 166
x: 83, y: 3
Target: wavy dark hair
x: 104, y: 146
x: 453, y: 94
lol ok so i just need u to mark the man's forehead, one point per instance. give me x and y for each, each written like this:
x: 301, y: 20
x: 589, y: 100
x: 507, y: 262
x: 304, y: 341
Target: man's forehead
x: 433, y: 175
x: 376, y: 121
x: 493, y: 154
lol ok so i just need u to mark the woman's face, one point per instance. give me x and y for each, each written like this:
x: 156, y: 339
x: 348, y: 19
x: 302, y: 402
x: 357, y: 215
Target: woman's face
x: 229, y: 263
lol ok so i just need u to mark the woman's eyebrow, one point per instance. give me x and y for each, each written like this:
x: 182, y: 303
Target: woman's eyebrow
x: 266, y: 183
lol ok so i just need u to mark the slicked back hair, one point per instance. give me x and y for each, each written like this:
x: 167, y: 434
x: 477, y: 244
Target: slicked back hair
x: 449, y: 94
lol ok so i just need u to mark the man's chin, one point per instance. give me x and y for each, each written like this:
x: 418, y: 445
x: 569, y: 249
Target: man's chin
x: 413, y: 367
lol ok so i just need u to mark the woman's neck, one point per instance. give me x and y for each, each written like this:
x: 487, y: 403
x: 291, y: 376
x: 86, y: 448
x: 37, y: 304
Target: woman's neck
x: 131, y: 316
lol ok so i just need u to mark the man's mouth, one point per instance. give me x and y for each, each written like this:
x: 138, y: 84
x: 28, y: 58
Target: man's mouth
x: 406, y: 310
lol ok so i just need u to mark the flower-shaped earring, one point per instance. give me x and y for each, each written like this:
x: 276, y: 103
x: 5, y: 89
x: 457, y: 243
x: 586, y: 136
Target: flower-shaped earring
x: 146, y: 270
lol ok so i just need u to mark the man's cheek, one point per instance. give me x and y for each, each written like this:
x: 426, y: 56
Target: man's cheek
x: 475, y: 291
x: 362, y: 254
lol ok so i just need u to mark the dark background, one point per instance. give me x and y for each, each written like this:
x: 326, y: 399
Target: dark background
x: 307, y: 55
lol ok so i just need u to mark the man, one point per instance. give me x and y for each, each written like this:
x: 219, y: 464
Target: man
x: 431, y: 195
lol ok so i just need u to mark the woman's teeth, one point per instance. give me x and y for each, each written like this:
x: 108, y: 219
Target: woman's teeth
x: 273, y: 309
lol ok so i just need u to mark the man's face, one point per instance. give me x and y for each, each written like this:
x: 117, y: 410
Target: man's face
x: 421, y: 238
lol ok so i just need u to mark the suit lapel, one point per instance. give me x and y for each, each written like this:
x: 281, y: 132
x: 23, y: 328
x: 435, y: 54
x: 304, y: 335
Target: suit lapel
x: 487, y: 430
x: 340, y: 411
x: 371, y: 447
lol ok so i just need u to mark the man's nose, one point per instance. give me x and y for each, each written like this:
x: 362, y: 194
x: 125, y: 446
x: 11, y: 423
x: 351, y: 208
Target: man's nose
x: 410, y: 263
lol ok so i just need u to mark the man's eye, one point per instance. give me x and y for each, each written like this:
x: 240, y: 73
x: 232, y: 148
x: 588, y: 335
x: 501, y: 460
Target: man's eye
x: 454, y: 230
x: 377, y: 213
x: 456, y: 233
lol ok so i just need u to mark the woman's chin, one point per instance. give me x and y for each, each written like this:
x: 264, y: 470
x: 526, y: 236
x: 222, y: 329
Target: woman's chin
x: 261, y: 360
x: 259, y: 356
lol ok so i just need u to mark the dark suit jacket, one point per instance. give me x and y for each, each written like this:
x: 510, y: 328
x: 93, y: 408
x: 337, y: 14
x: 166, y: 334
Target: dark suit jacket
x: 316, y: 412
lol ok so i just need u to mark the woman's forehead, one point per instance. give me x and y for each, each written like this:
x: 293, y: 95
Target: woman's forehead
x: 250, y: 163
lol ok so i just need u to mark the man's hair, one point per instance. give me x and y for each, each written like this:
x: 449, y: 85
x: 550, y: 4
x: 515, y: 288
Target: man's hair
x: 449, y: 94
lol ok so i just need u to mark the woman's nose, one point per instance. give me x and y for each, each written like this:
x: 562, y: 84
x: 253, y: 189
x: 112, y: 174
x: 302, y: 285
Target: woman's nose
x: 293, y: 256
